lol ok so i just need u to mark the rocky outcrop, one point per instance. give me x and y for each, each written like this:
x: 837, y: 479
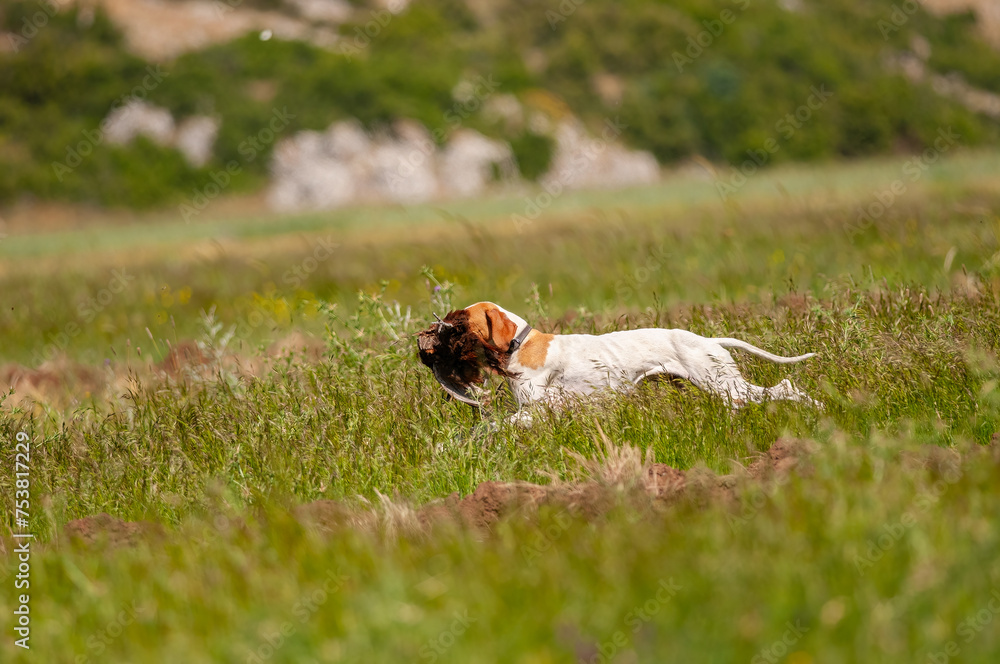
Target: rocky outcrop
x: 138, y: 118
x: 194, y: 137
x: 585, y: 162
x: 346, y: 165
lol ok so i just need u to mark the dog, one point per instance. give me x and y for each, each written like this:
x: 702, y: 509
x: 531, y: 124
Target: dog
x: 549, y: 369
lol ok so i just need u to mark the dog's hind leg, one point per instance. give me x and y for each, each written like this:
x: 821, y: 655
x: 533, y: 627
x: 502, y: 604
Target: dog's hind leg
x: 788, y: 392
x: 723, y: 378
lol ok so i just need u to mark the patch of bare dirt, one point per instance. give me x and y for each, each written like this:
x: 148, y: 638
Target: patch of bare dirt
x: 651, y: 487
x: 297, y: 343
x: 938, y: 461
x: 182, y: 356
x: 63, y: 382
x: 324, y: 515
x: 105, y: 530
x: 784, y: 456
x: 59, y: 381
x: 492, y: 500
x: 654, y: 488
x: 50, y: 376
x: 664, y: 481
x: 796, y: 302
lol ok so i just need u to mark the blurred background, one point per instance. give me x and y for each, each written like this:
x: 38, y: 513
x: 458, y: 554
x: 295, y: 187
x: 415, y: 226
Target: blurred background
x: 316, y: 104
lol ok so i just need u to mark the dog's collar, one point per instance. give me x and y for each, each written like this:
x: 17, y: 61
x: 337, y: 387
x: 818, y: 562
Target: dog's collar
x: 519, y: 339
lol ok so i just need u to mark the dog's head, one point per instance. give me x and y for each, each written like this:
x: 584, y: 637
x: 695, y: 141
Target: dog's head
x: 465, y: 345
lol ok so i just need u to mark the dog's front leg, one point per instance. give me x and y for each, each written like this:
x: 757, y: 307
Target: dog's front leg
x: 522, y: 418
x: 531, y: 397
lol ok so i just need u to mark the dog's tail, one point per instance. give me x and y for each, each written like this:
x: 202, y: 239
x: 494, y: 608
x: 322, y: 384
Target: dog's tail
x: 742, y: 345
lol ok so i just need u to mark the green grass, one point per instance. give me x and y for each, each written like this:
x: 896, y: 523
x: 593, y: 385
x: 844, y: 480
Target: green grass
x: 678, y: 243
x: 905, y: 318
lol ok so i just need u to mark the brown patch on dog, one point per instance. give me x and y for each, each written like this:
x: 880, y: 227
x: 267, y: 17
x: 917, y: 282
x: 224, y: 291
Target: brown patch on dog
x: 491, y: 324
x: 535, y: 350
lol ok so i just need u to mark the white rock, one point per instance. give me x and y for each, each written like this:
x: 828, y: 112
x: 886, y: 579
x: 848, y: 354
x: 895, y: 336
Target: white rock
x: 345, y: 165
x: 139, y: 118
x: 347, y: 140
x: 583, y: 162
x: 195, y: 138
x: 504, y: 108
x: 403, y: 172
x: 467, y: 163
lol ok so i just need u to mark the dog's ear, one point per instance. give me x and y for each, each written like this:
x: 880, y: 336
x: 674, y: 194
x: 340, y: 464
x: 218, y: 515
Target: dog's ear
x: 491, y: 325
x: 502, y: 329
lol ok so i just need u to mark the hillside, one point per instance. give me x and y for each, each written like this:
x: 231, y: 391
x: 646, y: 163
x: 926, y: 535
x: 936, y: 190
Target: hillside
x: 724, y: 80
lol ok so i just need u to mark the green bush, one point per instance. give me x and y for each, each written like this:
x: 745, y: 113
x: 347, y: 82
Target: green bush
x: 533, y: 153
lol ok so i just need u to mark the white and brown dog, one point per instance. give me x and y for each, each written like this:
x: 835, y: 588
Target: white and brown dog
x: 548, y: 368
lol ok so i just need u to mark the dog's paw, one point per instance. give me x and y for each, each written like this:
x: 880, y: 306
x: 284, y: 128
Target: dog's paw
x: 521, y: 418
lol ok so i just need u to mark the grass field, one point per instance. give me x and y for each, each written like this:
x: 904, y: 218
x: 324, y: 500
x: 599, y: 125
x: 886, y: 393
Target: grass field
x: 213, y: 378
